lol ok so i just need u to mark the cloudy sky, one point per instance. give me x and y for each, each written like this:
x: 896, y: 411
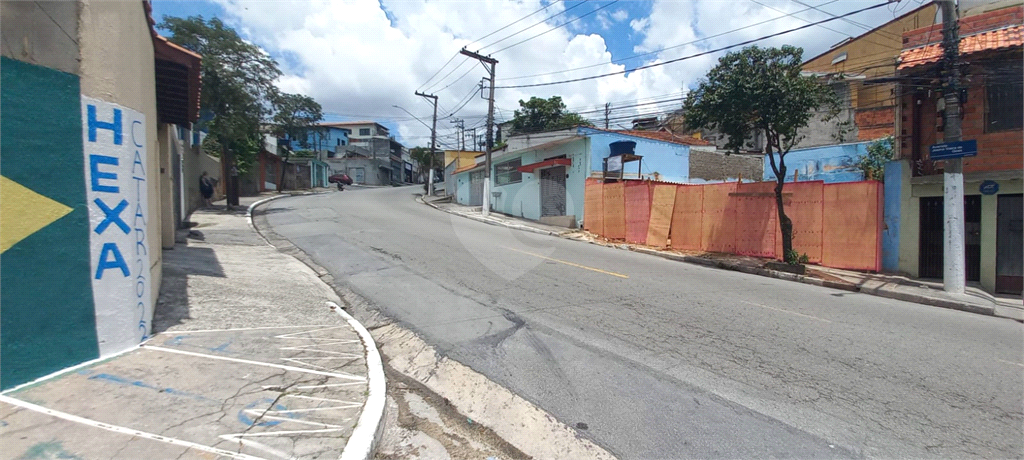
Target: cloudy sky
x: 360, y: 58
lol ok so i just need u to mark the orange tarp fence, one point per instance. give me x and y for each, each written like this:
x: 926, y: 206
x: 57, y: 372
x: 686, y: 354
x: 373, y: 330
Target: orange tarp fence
x: 836, y: 225
x: 638, y: 211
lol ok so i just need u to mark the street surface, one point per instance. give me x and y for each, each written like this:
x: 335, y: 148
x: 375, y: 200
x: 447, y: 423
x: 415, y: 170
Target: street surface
x: 652, y: 358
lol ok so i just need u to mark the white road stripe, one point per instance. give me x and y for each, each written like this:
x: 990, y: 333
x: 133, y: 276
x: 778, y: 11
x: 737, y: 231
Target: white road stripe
x: 123, y: 430
x: 786, y: 311
x: 258, y: 363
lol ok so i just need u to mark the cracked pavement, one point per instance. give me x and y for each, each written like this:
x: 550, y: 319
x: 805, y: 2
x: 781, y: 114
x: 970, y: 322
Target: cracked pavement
x: 677, y: 360
x: 246, y: 361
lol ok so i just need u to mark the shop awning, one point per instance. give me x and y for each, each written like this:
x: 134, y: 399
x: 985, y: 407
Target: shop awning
x: 545, y: 164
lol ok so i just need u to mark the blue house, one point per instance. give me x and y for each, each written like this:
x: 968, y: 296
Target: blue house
x: 542, y: 176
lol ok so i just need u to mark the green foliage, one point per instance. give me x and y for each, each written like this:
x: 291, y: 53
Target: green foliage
x: 872, y: 164
x: 545, y: 114
x: 297, y: 117
x: 211, y: 146
x: 761, y: 90
x: 795, y: 258
x: 304, y: 154
x: 238, y: 81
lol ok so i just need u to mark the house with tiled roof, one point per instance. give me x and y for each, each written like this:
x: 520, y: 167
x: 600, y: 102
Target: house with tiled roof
x: 542, y: 176
x: 992, y: 111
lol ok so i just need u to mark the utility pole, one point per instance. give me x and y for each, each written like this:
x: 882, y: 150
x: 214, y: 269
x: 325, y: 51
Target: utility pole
x: 954, y: 271
x: 607, y: 112
x: 433, y: 143
x: 461, y: 127
x: 484, y: 60
x: 475, y: 146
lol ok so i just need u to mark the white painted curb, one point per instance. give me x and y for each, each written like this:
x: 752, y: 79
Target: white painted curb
x: 363, y: 442
x: 249, y: 210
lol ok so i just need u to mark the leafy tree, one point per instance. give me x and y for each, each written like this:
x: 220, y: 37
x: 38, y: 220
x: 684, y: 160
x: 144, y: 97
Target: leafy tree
x: 425, y: 160
x: 545, y: 114
x: 238, y: 88
x: 761, y: 90
x: 872, y: 164
x: 296, y: 118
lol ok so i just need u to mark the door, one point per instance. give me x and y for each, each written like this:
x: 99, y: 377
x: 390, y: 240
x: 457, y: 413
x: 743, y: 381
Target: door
x: 358, y: 175
x: 1010, y: 244
x: 476, y: 188
x: 932, y: 221
x: 552, y: 191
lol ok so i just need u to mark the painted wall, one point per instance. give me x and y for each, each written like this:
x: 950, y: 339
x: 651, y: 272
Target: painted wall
x: 82, y: 184
x: 523, y: 199
x: 891, y: 228
x: 662, y: 161
x: 931, y: 186
x: 831, y: 164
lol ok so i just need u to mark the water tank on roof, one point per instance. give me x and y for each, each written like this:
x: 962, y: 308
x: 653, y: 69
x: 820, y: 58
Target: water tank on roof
x: 622, y: 147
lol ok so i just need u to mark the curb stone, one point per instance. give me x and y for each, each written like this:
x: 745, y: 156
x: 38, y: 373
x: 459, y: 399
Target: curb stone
x: 879, y: 291
x: 362, y: 444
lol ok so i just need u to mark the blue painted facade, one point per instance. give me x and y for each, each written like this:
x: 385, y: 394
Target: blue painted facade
x: 329, y: 139
x: 831, y: 164
x: 892, y: 212
x: 664, y: 161
x: 523, y: 198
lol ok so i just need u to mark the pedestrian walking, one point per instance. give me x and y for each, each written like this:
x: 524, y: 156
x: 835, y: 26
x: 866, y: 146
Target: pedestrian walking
x: 206, y: 188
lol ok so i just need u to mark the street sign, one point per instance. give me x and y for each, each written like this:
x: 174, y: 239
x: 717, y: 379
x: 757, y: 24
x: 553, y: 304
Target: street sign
x: 952, y: 150
x: 989, y: 187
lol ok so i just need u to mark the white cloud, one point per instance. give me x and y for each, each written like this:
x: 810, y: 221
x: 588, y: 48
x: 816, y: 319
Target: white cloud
x: 359, y: 58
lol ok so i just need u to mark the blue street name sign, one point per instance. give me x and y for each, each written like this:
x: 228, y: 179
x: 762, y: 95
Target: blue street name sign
x: 989, y: 187
x: 951, y: 150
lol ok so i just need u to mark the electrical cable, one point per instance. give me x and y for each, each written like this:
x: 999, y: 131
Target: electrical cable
x: 657, y: 64
x: 558, y: 26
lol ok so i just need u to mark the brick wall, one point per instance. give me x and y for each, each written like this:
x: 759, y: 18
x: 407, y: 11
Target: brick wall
x: 970, y: 25
x: 715, y: 166
x: 875, y: 123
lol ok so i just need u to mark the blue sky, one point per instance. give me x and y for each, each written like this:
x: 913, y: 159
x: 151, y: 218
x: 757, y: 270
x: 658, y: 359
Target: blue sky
x: 360, y: 58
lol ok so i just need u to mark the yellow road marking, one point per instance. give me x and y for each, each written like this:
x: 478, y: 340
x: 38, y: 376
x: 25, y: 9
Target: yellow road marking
x: 569, y: 263
x: 785, y: 311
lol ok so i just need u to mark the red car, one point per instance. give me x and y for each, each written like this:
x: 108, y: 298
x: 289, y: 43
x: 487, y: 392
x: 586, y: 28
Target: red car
x: 341, y: 179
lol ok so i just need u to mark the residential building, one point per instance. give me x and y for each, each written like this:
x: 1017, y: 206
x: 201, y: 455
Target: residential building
x: 371, y: 154
x: 542, y: 176
x: 90, y: 107
x: 991, y: 42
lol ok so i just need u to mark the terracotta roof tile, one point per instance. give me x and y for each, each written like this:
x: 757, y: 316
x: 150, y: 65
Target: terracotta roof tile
x: 1007, y: 37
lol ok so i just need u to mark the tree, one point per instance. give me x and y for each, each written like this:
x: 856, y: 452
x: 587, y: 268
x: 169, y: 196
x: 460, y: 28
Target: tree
x: 297, y: 116
x: 424, y: 159
x: 545, y: 114
x: 238, y: 89
x: 762, y: 90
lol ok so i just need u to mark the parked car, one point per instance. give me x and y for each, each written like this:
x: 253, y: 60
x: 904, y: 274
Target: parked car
x: 341, y: 179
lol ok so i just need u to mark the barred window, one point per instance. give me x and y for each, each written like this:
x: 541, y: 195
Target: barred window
x: 1003, y: 105
x: 508, y: 172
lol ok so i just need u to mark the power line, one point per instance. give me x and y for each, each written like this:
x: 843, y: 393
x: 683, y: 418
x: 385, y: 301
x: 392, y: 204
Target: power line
x: 542, y: 21
x: 558, y: 26
x: 635, y: 56
x: 657, y: 64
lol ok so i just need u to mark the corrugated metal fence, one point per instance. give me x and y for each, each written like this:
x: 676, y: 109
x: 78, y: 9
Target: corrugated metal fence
x: 836, y: 225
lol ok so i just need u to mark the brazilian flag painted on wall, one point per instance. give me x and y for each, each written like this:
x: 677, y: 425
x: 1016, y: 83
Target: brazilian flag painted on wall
x: 47, y: 318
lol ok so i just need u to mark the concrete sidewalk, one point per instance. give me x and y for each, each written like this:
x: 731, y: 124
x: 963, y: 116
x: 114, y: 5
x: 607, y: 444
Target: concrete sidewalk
x: 926, y: 292
x: 247, y: 360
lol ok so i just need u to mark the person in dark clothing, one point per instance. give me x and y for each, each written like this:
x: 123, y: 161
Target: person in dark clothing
x: 206, y: 188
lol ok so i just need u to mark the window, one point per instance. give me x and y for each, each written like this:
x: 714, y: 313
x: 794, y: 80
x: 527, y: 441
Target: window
x: 364, y: 131
x: 508, y: 172
x: 339, y: 141
x: 1003, y: 106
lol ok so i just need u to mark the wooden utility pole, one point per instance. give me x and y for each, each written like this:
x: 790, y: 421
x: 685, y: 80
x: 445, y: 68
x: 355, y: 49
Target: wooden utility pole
x: 954, y: 273
x: 433, y: 144
x: 485, y: 60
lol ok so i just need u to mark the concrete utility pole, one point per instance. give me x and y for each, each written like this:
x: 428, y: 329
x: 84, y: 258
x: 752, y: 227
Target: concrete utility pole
x: 433, y: 143
x: 484, y: 60
x: 461, y: 127
x: 607, y: 112
x: 954, y: 266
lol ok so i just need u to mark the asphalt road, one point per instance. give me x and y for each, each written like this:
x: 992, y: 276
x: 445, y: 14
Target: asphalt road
x: 653, y: 358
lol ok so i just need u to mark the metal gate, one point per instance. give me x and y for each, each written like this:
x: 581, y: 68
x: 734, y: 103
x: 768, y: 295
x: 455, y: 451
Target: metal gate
x: 931, y: 238
x: 552, y: 191
x: 1010, y: 244
x: 476, y: 188
x: 358, y: 175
